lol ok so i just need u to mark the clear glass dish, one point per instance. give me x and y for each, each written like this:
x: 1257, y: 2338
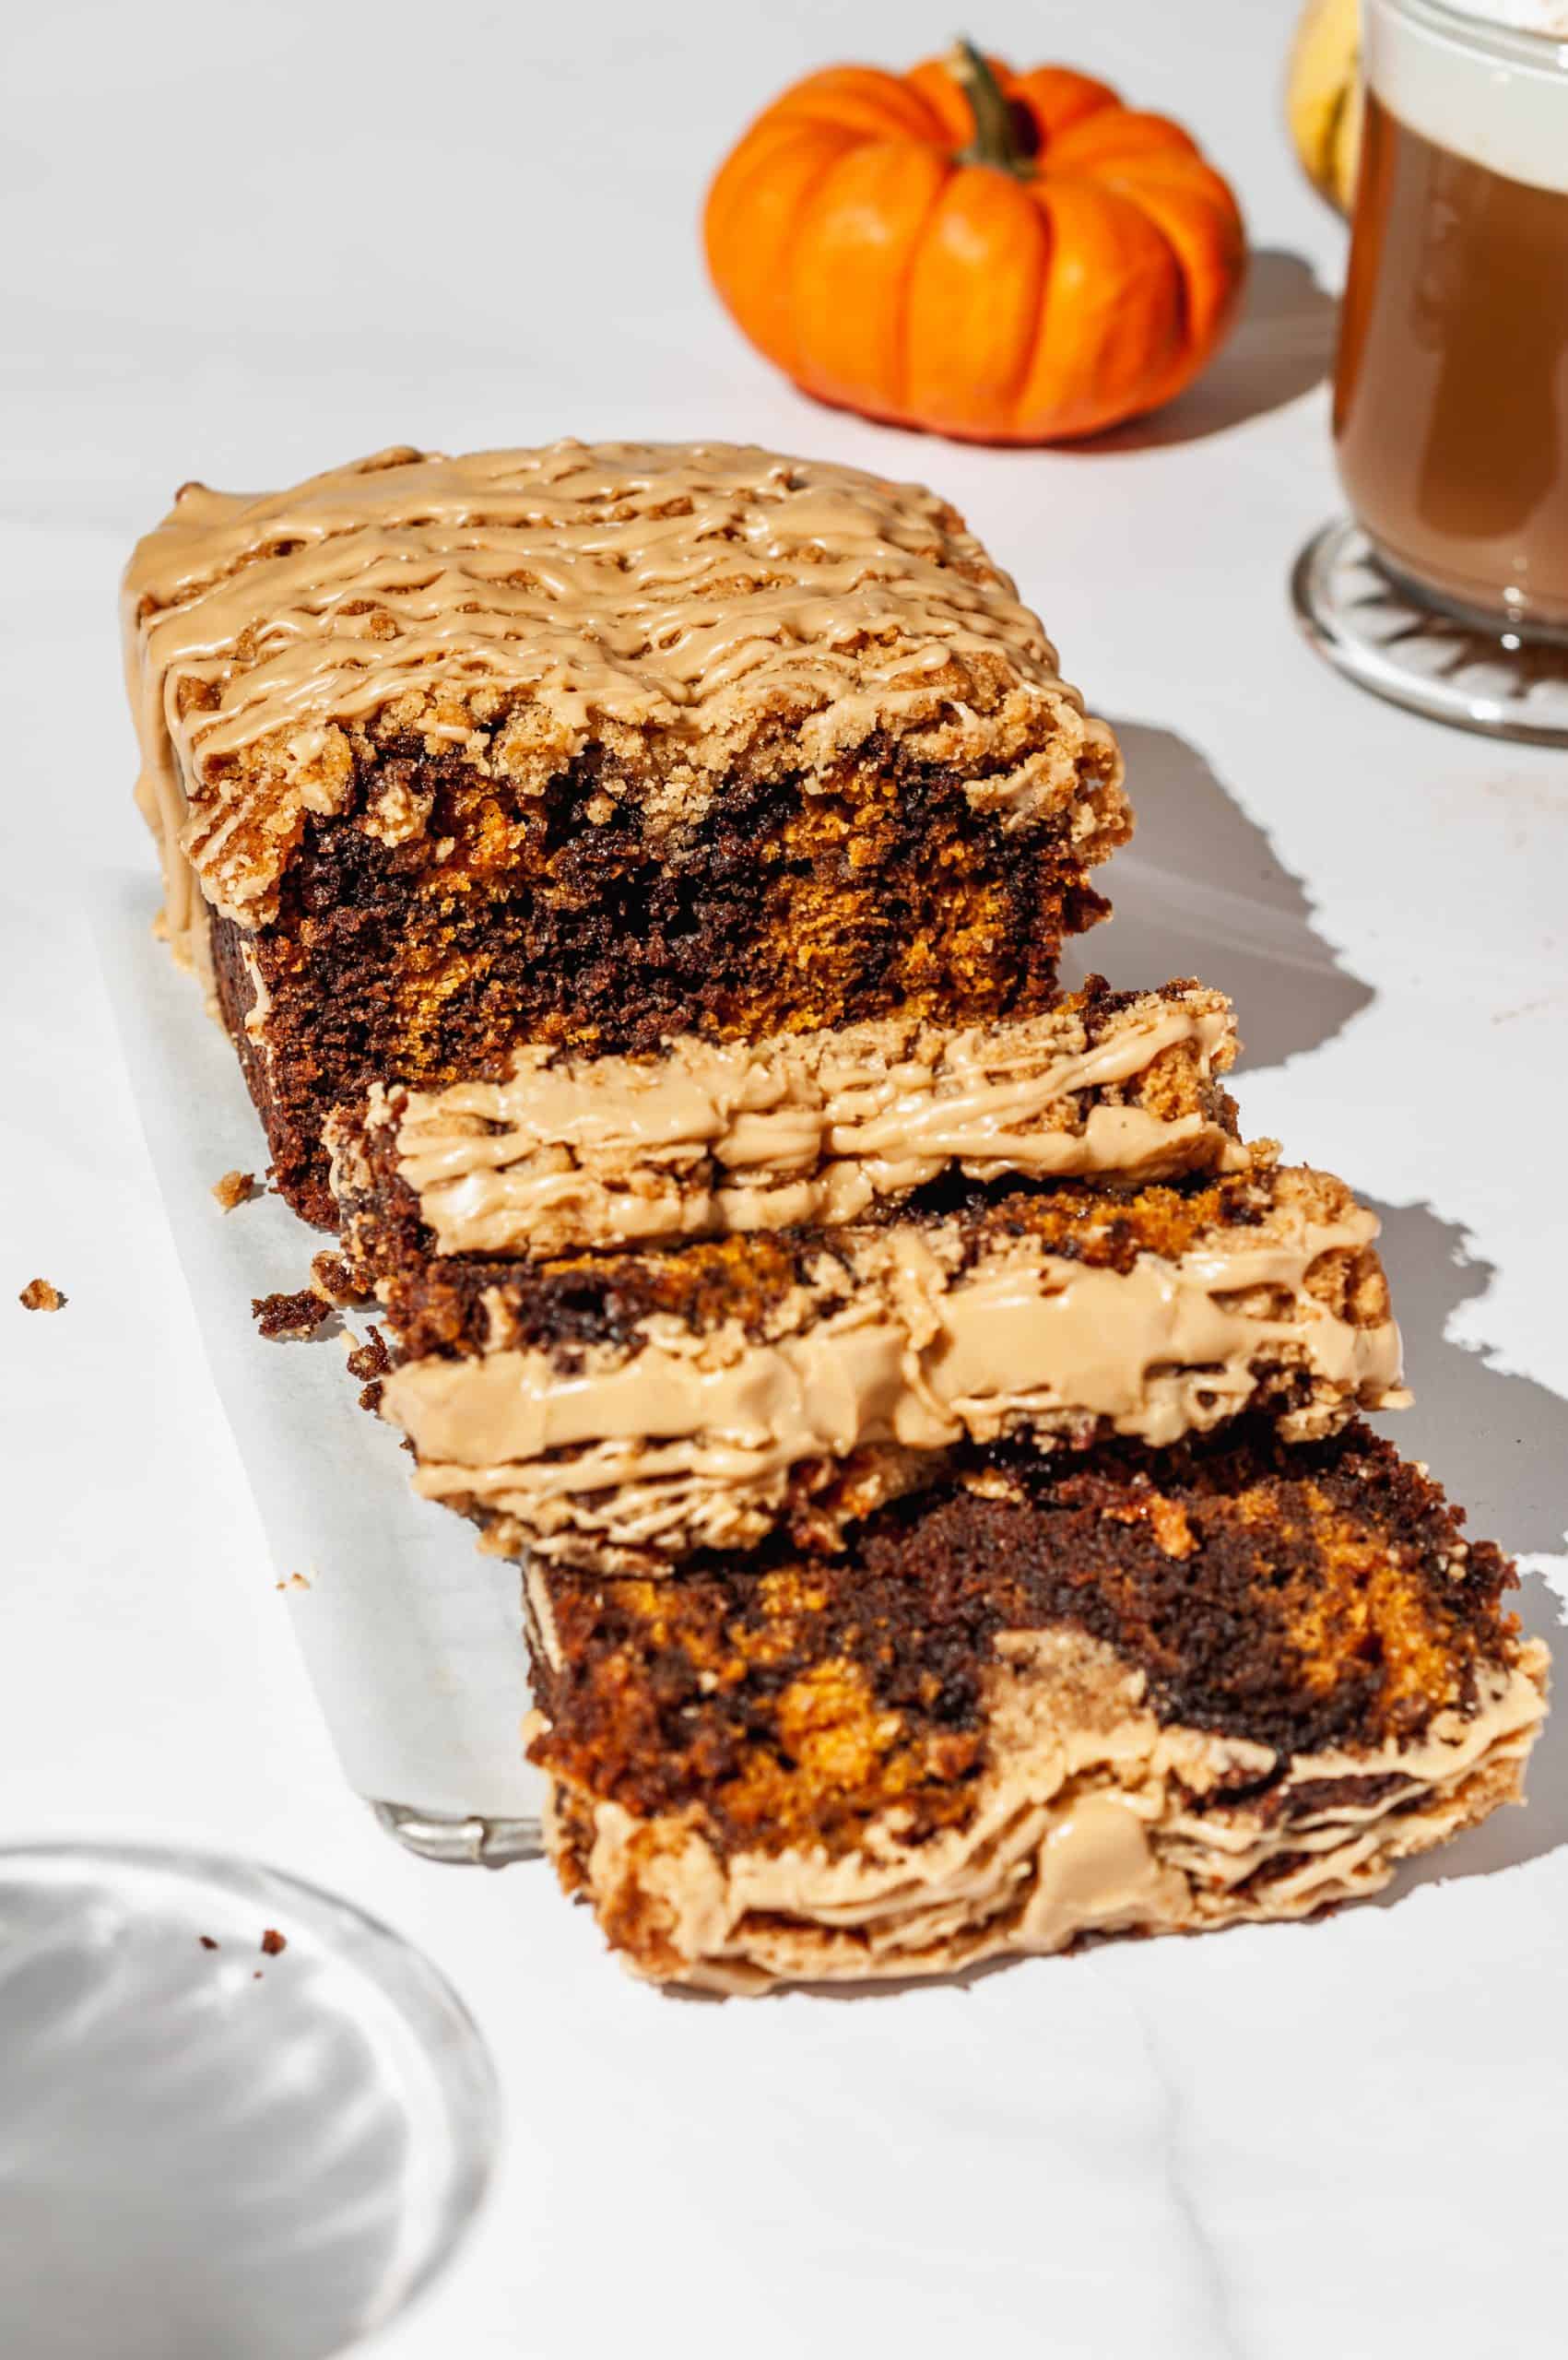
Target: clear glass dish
x: 239, y: 2118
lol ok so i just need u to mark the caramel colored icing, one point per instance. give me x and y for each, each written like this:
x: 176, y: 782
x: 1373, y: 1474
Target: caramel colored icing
x: 1092, y: 1818
x: 513, y: 605
x: 904, y: 1343
x: 811, y: 1128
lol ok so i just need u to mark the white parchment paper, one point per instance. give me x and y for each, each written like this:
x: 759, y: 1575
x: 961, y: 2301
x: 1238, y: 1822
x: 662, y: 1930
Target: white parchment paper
x: 412, y: 1639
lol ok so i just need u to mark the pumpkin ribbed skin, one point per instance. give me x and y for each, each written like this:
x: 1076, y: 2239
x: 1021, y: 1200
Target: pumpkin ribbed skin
x: 1084, y: 281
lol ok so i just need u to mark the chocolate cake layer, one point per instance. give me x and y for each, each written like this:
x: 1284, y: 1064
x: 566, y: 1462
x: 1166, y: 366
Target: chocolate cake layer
x: 1053, y: 1699
x: 625, y: 1411
x: 590, y: 746
x: 709, y: 1139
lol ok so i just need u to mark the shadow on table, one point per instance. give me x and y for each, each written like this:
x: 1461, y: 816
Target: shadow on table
x: 1281, y: 348
x: 1498, y: 1444
x: 1200, y: 891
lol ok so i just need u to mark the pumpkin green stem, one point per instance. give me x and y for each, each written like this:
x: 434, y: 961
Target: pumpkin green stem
x: 995, y: 140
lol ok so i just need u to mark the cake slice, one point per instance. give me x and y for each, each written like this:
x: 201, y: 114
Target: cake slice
x: 1055, y: 1699
x: 625, y: 1410
x: 708, y: 1139
x: 591, y: 746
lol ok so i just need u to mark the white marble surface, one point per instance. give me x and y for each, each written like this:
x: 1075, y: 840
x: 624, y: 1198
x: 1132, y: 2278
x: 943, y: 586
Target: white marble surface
x: 240, y: 244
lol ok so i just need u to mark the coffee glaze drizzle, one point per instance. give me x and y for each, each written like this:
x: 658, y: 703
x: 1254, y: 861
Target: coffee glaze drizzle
x: 679, y: 590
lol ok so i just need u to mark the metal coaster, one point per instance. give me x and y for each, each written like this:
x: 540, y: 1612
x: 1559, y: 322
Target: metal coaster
x: 1465, y: 672
x: 237, y: 2116
x: 462, y: 1843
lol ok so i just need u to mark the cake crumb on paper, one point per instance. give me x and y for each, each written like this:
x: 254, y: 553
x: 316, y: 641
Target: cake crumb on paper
x: 274, y: 1943
x: 235, y: 1188
x: 332, y: 1279
x: 295, y: 1581
x: 282, y: 1316
x: 370, y: 1361
x: 39, y: 1295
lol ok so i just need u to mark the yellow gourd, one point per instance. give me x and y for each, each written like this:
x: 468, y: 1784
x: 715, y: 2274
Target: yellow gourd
x: 1322, y: 96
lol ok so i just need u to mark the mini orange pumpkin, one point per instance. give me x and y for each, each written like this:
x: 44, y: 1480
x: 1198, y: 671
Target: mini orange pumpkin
x: 1003, y: 257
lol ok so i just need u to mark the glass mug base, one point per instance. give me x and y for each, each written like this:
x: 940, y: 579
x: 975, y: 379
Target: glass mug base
x: 461, y: 1843
x: 1469, y: 672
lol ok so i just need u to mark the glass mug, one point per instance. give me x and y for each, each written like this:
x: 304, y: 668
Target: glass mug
x: 1448, y: 589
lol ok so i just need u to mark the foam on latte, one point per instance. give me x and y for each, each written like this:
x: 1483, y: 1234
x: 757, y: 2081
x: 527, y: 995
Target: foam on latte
x: 1549, y: 17
x: 1508, y: 115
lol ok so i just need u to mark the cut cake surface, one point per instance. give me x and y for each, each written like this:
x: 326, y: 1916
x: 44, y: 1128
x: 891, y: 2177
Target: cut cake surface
x: 628, y: 1410
x: 1053, y: 1698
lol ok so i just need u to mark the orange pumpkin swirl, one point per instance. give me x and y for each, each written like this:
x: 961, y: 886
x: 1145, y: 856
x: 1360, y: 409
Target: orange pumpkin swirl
x: 1002, y: 257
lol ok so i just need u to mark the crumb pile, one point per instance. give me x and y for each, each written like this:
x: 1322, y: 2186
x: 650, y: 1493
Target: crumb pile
x: 633, y: 877
x: 234, y: 1189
